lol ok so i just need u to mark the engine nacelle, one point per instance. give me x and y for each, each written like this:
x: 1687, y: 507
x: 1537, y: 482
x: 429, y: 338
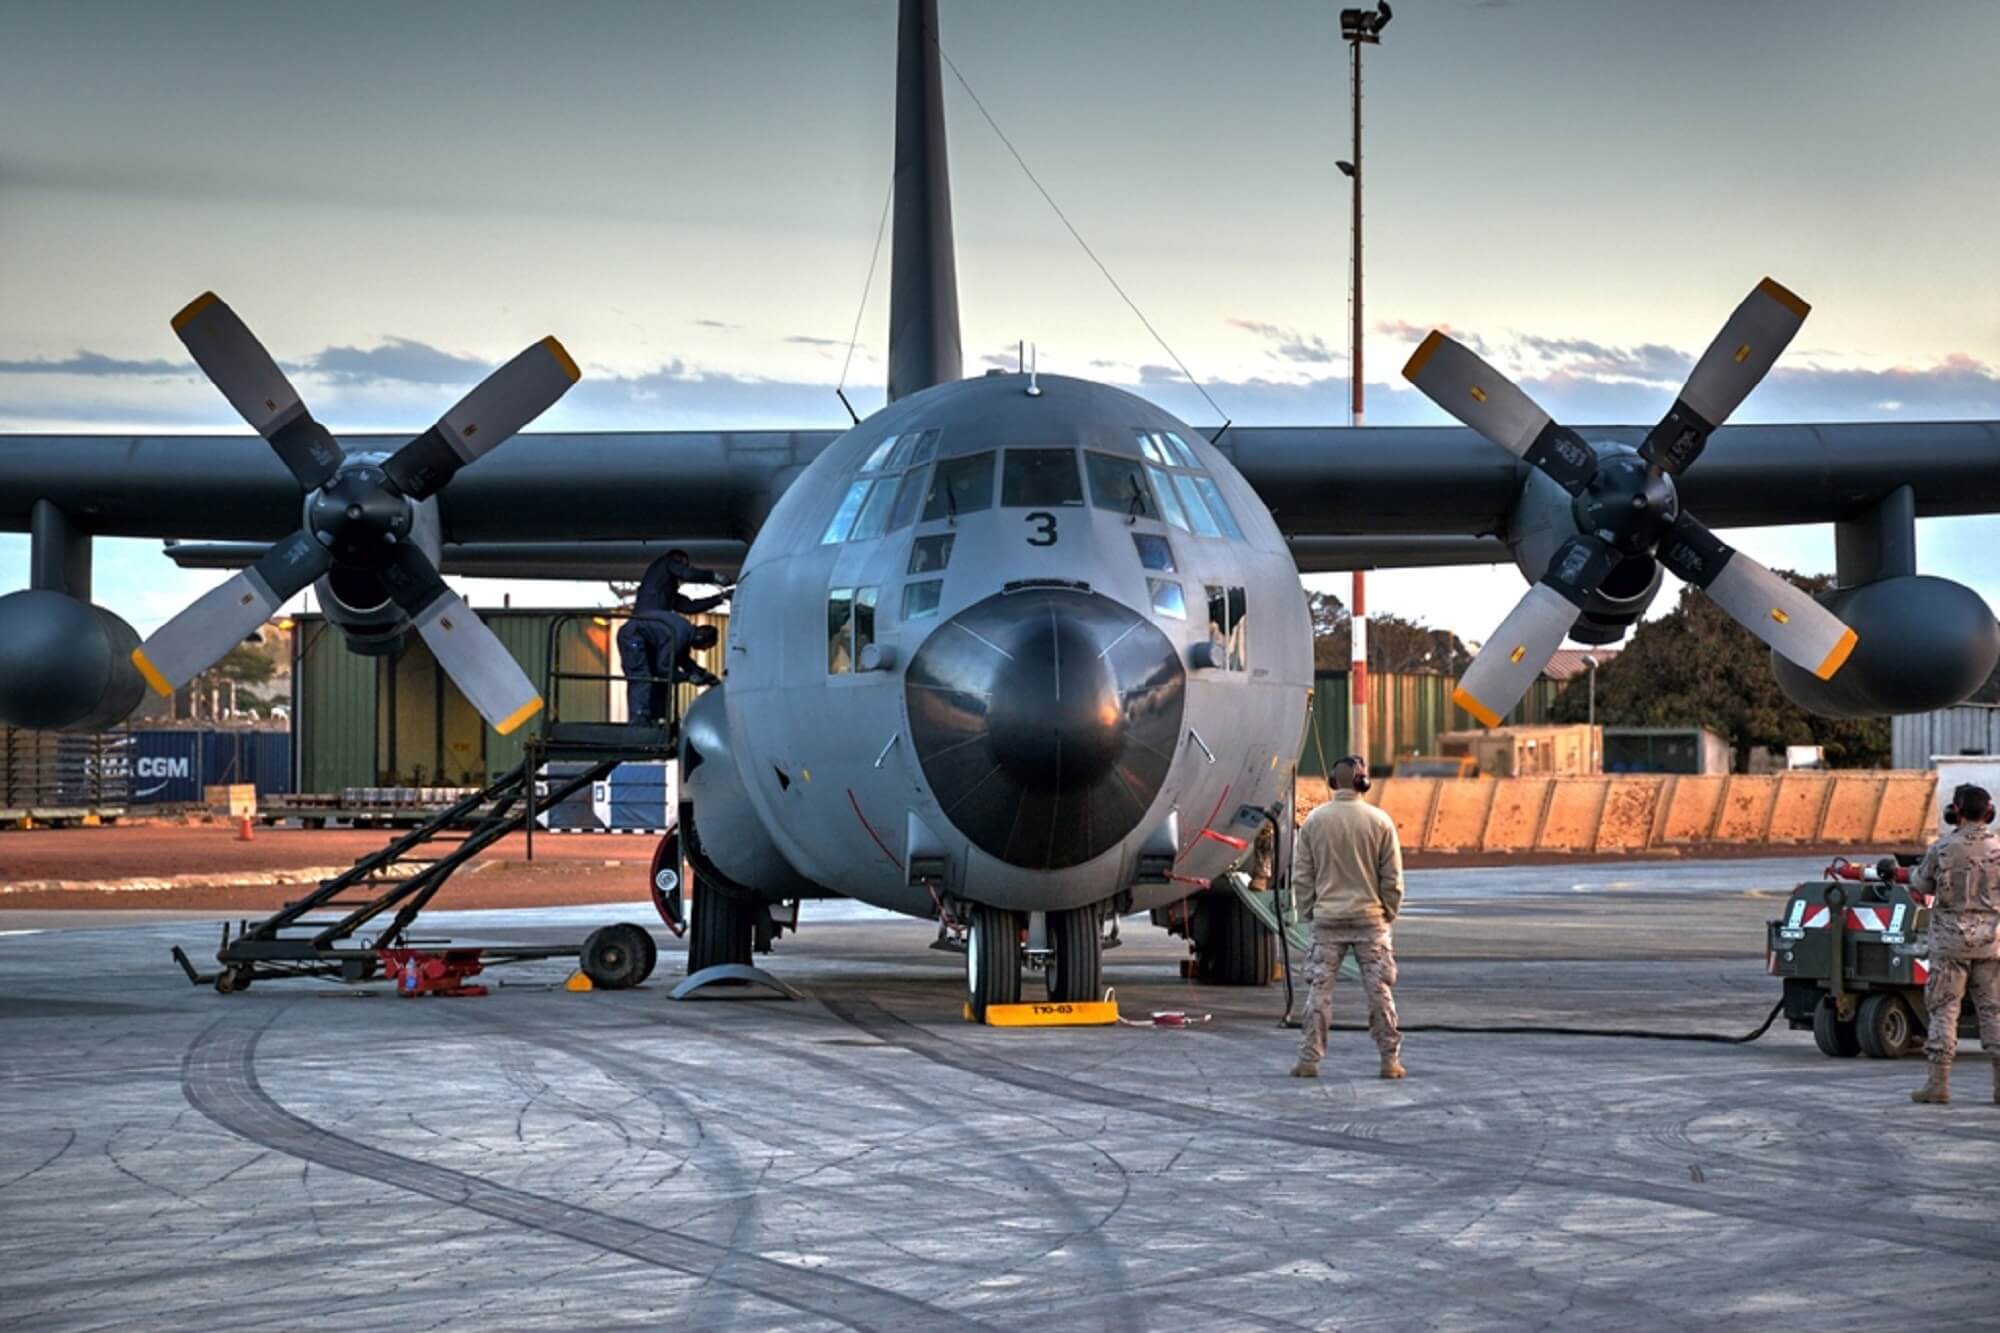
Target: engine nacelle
x: 65, y: 665
x: 723, y: 833
x: 1923, y: 643
x: 1544, y: 518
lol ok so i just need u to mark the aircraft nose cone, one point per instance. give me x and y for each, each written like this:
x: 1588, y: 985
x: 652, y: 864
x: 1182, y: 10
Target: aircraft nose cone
x: 1045, y: 721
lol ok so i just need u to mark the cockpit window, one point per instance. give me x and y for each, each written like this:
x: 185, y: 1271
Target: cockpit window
x: 1117, y: 484
x: 879, y: 458
x: 1168, y: 599
x: 843, y: 517
x: 1039, y: 479
x: 1197, y: 512
x: 930, y: 554
x: 925, y: 447
x: 874, y: 519
x: 907, y: 499
x: 1183, y: 454
x: 1151, y: 448
x: 1156, y: 553
x: 961, y: 486
x: 1170, y: 505
x: 1213, y: 494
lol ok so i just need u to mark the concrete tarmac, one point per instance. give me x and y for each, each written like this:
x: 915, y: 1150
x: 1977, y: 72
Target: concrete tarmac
x: 302, y: 1155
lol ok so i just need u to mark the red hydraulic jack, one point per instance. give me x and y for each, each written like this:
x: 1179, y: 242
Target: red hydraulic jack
x: 419, y: 972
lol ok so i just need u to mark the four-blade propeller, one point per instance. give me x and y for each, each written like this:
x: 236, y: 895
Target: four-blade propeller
x: 1625, y: 504
x: 359, y: 515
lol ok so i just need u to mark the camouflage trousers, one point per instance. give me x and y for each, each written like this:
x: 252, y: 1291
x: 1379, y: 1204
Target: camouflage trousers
x: 1376, y: 955
x: 1944, y: 993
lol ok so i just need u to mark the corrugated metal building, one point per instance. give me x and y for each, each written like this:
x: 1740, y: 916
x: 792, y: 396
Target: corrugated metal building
x: 1967, y: 729
x: 1406, y: 715
x: 398, y: 721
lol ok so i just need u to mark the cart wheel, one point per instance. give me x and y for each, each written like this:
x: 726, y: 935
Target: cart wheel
x: 613, y: 958
x: 232, y: 979
x: 649, y: 955
x: 1834, y: 1037
x: 1885, y: 1027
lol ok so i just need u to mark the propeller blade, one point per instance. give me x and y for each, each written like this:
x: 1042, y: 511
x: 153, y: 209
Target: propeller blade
x: 230, y: 355
x: 470, y: 653
x: 1796, y: 627
x: 1516, y: 653
x: 505, y: 402
x: 204, y: 632
x: 1454, y: 377
x: 1741, y: 355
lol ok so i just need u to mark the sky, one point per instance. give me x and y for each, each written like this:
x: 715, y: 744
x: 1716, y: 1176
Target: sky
x: 398, y: 197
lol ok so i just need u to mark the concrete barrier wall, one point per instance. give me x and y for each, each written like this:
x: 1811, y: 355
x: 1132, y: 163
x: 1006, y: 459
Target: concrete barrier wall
x: 1638, y: 812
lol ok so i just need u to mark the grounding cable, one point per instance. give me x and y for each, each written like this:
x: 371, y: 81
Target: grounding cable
x: 1076, y: 235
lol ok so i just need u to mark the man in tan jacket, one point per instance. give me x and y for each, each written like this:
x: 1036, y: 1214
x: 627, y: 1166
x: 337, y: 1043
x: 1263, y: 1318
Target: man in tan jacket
x: 1347, y: 874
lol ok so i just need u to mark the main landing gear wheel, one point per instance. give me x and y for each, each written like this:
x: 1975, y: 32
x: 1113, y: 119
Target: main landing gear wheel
x: 1233, y: 949
x: 1076, y: 973
x: 992, y: 959
x: 1885, y: 1028
x: 722, y: 930
x: 617, y: 957
x: 1834, y: 1037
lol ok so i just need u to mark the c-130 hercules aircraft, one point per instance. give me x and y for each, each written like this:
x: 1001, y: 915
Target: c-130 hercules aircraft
x: 1018, y: 652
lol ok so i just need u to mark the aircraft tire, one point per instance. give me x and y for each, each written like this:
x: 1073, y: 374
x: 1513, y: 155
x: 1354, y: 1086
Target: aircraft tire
x: 720, y: 929
x: 1832, y: 1036
x: 992, y: 959
x: 1077, y: 972
x: 1235, y: 949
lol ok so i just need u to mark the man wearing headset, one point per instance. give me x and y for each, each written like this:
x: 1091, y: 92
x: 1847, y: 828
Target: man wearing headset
x: 1963, y: 869
x: 1347, y: 876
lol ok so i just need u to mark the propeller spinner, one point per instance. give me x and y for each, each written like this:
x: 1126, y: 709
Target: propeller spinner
x: 359, y: 516
x: 1627, y: 505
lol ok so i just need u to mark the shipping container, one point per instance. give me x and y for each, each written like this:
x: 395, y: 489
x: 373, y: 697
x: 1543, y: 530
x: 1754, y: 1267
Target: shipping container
x: 173, y: 765
x: 1968, y: 729
x: 396, y: 720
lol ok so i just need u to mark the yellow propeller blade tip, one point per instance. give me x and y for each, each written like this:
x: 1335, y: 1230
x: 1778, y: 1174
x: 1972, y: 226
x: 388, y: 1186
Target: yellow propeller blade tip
x: 508, y: 725
x: 563, y: 358
x: 1838, y: 657
x: 1785, y: 297
x: 194, y: 308
x: 151, y: 673
x: 1429, y: 345
x: 1487, y: 717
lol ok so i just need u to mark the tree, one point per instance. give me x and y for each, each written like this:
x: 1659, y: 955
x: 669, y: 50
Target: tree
x: 1695, y: 666
x: 1394, y: 643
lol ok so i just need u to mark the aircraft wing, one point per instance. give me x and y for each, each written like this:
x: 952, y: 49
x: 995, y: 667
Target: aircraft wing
x: 592, y: 505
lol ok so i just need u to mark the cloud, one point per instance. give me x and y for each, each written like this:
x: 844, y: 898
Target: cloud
x: 1289, y: 344
x: 1404, y: 331
x: 397, y: 360
x: 806, y: 340
x: 97, y: 364
x: 1654, y: 363
x: 716, y: 324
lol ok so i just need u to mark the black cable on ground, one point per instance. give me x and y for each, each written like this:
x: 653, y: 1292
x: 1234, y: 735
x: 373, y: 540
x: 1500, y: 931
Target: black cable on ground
x: 1637, y: 1034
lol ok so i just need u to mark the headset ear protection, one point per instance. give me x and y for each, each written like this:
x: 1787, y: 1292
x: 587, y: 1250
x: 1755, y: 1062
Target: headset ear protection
x: 1360, y: 770
x: 1951, y: 813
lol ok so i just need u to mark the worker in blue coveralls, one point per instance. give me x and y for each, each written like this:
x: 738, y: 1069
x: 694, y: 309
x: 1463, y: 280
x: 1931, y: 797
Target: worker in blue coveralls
x: 653, y: 644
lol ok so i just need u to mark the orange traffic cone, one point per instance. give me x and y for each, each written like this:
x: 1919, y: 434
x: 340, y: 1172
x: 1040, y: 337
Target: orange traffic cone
x: 243, y: 833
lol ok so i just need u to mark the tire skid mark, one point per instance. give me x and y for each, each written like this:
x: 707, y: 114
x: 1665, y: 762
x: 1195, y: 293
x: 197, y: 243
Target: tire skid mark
x: 219, y: 1079
x: 1931, y: 1233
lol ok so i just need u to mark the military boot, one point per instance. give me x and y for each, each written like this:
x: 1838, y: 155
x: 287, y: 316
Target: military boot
x: 1392, y: 1066
x: 1305, y: 1069
x: 1937, y: 1089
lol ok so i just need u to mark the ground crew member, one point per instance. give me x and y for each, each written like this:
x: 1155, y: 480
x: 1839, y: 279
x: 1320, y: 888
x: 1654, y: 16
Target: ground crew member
x: 1963, y: 869
x: 1347, y: 876
x: 653, y: 642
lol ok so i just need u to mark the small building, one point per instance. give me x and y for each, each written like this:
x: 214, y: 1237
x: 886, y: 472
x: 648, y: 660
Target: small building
x: 1967, y: 729
x: 396, y: 720
x: 1691, y: 750
x: 1575, y: 750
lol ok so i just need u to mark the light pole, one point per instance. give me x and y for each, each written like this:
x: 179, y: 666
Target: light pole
x: 1358, y: 27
